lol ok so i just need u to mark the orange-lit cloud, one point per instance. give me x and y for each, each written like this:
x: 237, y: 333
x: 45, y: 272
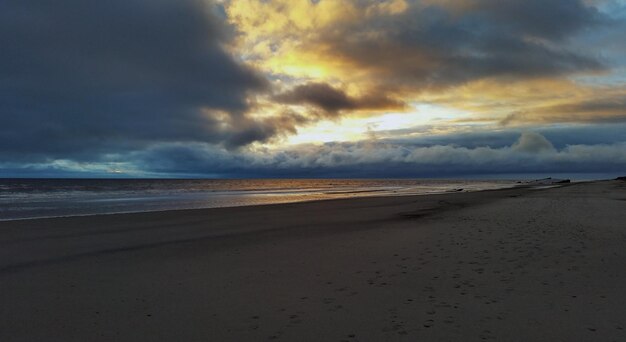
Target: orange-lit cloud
x: 345, y: 76
x: 504, y: 61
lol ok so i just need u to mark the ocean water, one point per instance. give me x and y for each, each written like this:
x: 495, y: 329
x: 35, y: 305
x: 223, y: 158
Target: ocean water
x: 37, y: 198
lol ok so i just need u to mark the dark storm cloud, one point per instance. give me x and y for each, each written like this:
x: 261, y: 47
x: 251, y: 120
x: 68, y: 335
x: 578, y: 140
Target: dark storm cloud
x: 332, y: 100
x: 560, y: 136
x: 80, y: 78
x: 555, y: 19
x: 149, y: 85
x: 445, y: 45
x: 589, y: 149
x: 528, y: 153
x: 320, y: 95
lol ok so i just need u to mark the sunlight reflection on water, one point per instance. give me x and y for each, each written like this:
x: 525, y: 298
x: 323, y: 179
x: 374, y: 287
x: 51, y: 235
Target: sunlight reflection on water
x: 33, y: 198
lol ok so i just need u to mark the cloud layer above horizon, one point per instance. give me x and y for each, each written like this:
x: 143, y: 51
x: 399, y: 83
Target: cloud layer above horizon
x: 279, y: 88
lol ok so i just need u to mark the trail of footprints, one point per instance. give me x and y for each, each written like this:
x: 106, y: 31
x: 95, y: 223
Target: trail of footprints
x: 468, y: 258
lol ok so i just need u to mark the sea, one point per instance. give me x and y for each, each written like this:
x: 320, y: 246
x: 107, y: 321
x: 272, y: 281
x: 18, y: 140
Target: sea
x: 41, y: 198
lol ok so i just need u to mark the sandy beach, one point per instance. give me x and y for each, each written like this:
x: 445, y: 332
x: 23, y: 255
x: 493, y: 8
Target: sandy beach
x: 506, y: 265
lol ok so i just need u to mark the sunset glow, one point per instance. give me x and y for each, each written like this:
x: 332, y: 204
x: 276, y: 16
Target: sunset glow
x: 230, y: 78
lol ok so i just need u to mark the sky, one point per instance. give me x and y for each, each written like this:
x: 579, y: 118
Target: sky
x: 312, y: 88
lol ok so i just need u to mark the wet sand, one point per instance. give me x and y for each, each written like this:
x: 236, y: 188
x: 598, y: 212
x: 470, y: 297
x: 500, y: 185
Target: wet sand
x: 506, y: 265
